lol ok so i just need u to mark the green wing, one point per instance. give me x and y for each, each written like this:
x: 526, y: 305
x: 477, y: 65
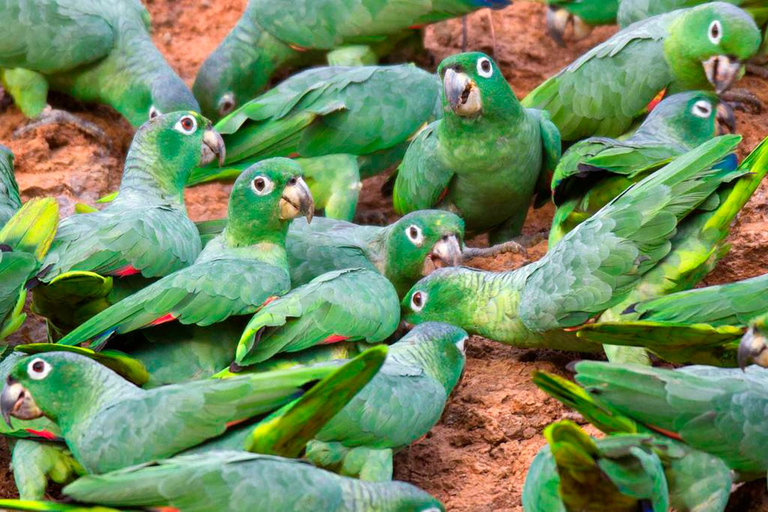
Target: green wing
x: 552, y: 147
x: 51, y: 506
x: 603, y: 91
x: 422, y: 178
x: 598, y: 264
x: 35, y: 462
x: 10, y: 202
x: 352, y: 304
x: 205, y: 293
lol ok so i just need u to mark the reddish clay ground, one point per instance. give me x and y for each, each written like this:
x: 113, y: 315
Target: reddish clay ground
x: 477, y: 457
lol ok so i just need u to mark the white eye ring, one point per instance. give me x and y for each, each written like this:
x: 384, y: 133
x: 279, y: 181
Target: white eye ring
x: 186, y: 125
x: 262, y: 185
x: 702, y: 109
x: 484, y: 67
x: 715, y: 32
x: 38, y: 369
x: 415, y: 235
x: 418, y: 300
x: 153, y: 112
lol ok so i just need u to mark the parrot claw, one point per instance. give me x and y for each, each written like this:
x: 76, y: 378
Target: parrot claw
x: 52, y: 116
x: 742, y: 99
x: 519, y: 245
x: 557, y: 21
x: 757, y: 70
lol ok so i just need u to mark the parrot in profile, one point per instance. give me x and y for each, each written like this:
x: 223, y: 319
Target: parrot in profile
x: 584, y: 15
x: 351, y: 304
x: 403, y: 252
x: 92, y: 50
x: 327, y: 111
x: 10, y: 202
x: 593, y: 268
x: 595, y: 170
x: 622, y: 472
x: 709, y: 409
x: 606, y: 89
x: 24, y: 241
x: 143, y: 233
x: 484, y: 158
x: 631, y: 11
x: 269, y: 37
x: 102, y: 415
x: 230, y: 481
x: 237, y: 271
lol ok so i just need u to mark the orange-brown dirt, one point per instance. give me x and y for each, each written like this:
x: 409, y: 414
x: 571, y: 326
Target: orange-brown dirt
x: 476, y: 458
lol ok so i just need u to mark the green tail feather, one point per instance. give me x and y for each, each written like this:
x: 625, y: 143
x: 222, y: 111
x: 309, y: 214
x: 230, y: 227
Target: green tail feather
x: 33, y: 227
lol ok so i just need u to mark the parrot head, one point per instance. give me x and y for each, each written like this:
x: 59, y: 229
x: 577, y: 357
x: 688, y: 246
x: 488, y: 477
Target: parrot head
x: 168, y: 93
x: 439, y: 348
x: 753, y: 347
x: 709, y: 43
x: 421, y: 242
x: 57, y: 385
x: 172, y: 145
x: 446, y: 295
x: 691, y: 117
x: 267, y: 196
x: 473, y: 87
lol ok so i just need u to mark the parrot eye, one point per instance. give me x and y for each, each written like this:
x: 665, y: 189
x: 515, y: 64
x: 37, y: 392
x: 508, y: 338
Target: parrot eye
x: 702, y: 109
x: 418, y: 300
x: 262, y: 185
x: 484, y: 67
x: 38, y: 369
x: 186, y: 125
x: 226, y: 104
x: 415, y: 235
x: 715, y: 32
x: 153, y: 112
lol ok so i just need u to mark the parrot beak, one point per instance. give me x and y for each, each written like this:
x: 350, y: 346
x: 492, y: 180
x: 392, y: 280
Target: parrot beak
x: 445, y: 253
x: 557, y: 21
x: 212, y: 148
x: 726, y: 121
x: 18, y: 402
x: 462, y: 93
x: 721, y: 71
x: 297, y: 200
x: 752, y: 349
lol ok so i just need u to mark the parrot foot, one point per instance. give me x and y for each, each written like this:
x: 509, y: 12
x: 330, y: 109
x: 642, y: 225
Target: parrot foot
x: 758, y: 70
x: 464, y: 34
x: 52, y: 116
x: 744, y: 100
x: 489, y: 252
x: 5, y: 100
x: 371, y: 218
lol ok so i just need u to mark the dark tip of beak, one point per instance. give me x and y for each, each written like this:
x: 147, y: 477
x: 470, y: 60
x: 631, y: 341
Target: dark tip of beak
x: 726, y: 118
x: 750, y: 347
x: 8, y: 400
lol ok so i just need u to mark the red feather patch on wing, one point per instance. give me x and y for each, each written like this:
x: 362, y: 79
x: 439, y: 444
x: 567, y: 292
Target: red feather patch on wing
x: 50, y: 436
x: 126, y: 271
x: 442, y: 195
x: 170, y: 317
x: 297, y: 48
x: 656, y: 100
x: 334, y: 338
x: 667, y: 433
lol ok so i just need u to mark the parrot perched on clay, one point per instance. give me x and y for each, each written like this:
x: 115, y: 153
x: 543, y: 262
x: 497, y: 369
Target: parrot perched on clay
x: 351, y: 304
x: 623, y: 472
x: 631, y: 11
x: 92, y: 405
x: 583, y: 15
x: 10, y: 202
x: 92, y: 50
x: 606, y: 89
x: 24, y: 241
x: 230, y: 481
x: 710, y: 409
x: 143, y: 233
x: 328, y: 111
x: 236, y: 272
x: 484, y: 158
x: 595, y: 170
x: 270, y: 36
x: 593, y: 268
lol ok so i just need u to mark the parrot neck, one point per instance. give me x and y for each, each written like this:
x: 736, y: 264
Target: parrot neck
x: 152, y: 175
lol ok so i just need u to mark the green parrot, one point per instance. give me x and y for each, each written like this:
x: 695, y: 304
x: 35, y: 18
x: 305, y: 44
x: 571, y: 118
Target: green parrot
x: 10, y: 202
x: 631, y: 11
x: 34, y: 462
x: 594, y: 267
x: 622, y: 472
x: 707, y: 408
x: 350, y: 304
x: 610, y: 86
x: 143, y: 233
x: 404, y: 252
x: 24, y: 241
x: 595, y: 170
x: 470, y: 161
x: 327, y: 111
x: 584, y: 15
x: 102, y: 415
x: 701, y: 326
x: 92, y: 50
x: 269, y: 37
x: 236, y: 481
x: 237, y: 271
